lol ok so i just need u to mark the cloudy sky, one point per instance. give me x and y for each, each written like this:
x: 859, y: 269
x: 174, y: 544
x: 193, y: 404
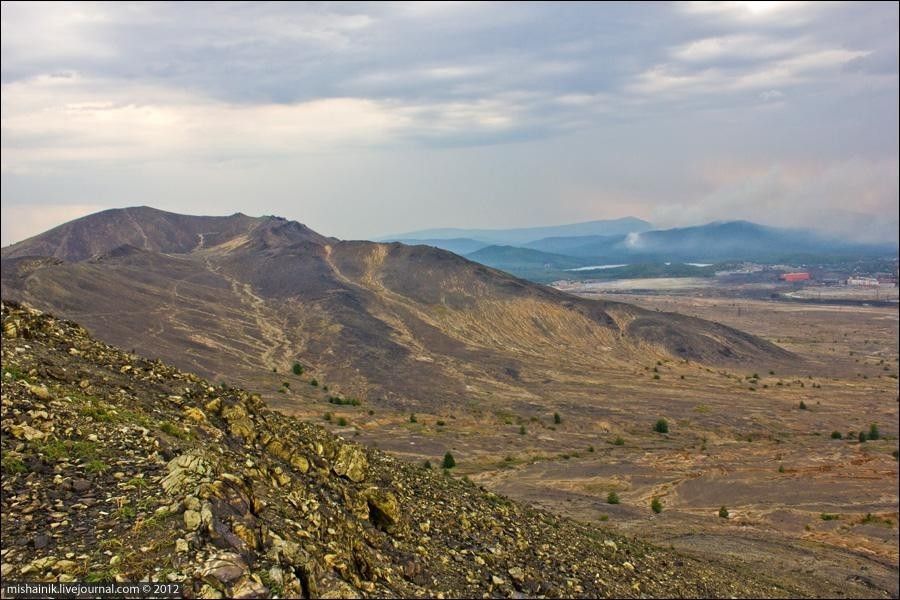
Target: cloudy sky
x: 367, y: 119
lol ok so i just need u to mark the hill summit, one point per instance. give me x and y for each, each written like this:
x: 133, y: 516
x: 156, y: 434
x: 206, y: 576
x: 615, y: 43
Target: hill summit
x: 239, y: 297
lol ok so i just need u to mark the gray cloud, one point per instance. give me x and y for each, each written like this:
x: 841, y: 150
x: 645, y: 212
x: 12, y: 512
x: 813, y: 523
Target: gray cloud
x: 362, y: 119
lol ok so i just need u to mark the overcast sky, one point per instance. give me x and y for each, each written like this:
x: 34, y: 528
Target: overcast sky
x: 368, y: 119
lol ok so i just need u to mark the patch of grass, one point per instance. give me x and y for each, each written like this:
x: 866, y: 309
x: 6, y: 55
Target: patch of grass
x: 343, y: 401
x: 100, y: 576
x: 604, y: 518
x: 173, y: 430
x: 13, y: 465
x: 68, y: 449
x: 96, y: 466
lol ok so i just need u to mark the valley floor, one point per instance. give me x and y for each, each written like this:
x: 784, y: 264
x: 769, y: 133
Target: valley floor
x: 822, y: 511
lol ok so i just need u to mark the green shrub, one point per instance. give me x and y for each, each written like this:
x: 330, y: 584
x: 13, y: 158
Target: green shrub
x: 313, y: 382
x: 836, y: 435
x: 412, y: 418
x: 619, y: 441
x: 297, y: 369
x: 723, y: 512
x: 861, y: 437
x: 556, y: 418
x: 612, y: 498
x: 522, y: 430
x: 874, y: 434
x: 449, y: 461
x: 342, y: 421
x: 440, y: 423
x: 828, y: 517
x: 662, y: 426
x: 802, y: 405
x: 656, y: 506
x: 327, y: 416
x: 427, y: 464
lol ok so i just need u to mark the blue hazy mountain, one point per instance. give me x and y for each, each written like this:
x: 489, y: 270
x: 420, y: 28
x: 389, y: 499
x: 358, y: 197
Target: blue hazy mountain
x: 713, y: 242
x: 521, y: 236
x: 459, y: 246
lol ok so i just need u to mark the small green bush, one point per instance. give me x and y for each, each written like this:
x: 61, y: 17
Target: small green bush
x: 656, y: 506
x: 861, y: 437
x: 556, y: 418
x: 619, y: 441
x: 723, y: 512
x: 802, y: 405
x: 522, y: 430
x: 342, y: 421
x: 836, y: 435
x: 449, y: 461
x: 612, y: 498
x: 412, y: 418
x: 874, y: 434
x: 297, y: 369
x: 662, y: 426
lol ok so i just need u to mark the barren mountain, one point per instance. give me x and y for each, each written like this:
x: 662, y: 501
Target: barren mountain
x: 237, y: 297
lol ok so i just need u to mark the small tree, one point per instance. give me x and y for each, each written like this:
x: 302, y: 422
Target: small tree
x: 556, y: 418
x: 656, y: 506
x: 873, y: 432
x: 612, y: 498
x: 723, y: 512
x: 662, y: 426
x: 861, y: 437
x: 297, y: 369
x: 449, y: 462
x: 802, y: 405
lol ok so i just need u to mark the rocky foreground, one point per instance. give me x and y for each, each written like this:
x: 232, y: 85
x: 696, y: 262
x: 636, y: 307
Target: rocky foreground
x: 116, y: 468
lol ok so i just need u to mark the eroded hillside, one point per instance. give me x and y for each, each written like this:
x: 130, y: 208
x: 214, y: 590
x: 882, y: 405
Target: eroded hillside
x: 120, y: 468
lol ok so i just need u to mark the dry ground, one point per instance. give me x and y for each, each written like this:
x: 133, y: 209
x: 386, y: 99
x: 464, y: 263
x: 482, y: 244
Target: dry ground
x: 822, y: 511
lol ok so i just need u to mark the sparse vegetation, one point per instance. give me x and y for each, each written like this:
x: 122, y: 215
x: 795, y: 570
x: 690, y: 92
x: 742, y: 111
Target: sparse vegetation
x: 619, y: 441
x: 829, y: 517
x: 723, y: 512
x: 612, y: 498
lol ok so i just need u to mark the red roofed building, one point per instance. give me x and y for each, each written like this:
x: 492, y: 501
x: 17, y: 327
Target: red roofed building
x: 795, y: 276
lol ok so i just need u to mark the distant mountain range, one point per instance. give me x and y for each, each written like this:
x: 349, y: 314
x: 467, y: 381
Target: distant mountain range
x: 640, y: 250
x: 522, y: 236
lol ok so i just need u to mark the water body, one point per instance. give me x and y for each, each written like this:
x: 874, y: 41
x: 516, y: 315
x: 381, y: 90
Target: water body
x: 596, y: 267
